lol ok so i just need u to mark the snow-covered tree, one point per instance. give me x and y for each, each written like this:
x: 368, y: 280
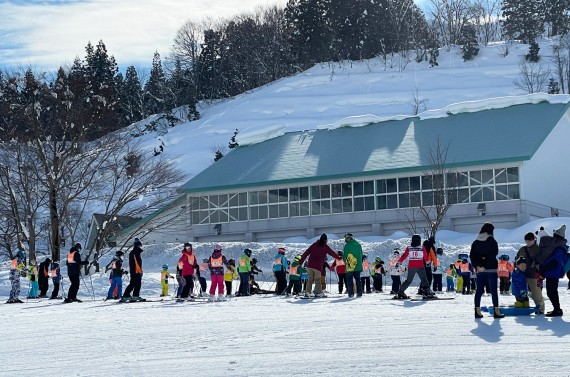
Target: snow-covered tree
x: 523, y: 19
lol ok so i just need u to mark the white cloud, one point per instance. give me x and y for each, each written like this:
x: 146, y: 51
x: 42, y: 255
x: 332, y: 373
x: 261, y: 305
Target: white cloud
x: 48, y: 35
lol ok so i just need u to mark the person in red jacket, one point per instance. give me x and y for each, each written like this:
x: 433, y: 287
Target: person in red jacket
x: 417, y: 258
x: 188, y: 263
x: 317, y: 254
x: 340, y: 271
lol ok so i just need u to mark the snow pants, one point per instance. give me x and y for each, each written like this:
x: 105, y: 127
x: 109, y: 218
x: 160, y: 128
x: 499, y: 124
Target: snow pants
x: 314, y: 277
x: 341, y: 282
x: 505, y: 284
x: 535, y: 293
x: 459, y: 284
x: 55, y: 292
x: 421, y: 272
x: 466, y: 290
x: 15, y: 280
x: 295, y: 285
x: 116, y: 283
x: 34, y: 289
x: 73, y: 287
x: 244, y: 283
x: 164, y: 288
x: 351, y: 278
x: 450, y: 285
x: 396, y: 283
x: 552, y: 292
x: 188, y: 287
x: 43, y: 286
x: 437, y: 282
x: 203, y: 284
x: 281, y: 280
x: 134, y: 286
x: 366, y: 284
x: 228, y: 287
x: 377, y: 282
x: 217, y: 281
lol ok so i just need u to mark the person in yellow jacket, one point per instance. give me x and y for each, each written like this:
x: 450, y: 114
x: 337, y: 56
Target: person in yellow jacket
x: 164, y: 276
x: 230, y: 275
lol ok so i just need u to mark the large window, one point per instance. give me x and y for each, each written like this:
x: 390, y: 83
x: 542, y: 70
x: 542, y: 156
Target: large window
x: 472, y: 186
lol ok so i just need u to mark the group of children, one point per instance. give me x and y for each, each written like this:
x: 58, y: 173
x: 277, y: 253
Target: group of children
x: 38, y: 278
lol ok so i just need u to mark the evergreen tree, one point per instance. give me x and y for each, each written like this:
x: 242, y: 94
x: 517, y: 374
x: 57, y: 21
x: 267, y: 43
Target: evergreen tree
x: 533, y: 50
x: 468, y: 40
x: 218, y: 155
x: 310, y: 30
x: 523, y: 19
x: 155, y: 88
x: 433, y: 55
x: 233, y: 143
x: 557, y: 15
x: 553, y: 87
x: 132, y: 95
x: 181, y: 90
x: 209, y: 62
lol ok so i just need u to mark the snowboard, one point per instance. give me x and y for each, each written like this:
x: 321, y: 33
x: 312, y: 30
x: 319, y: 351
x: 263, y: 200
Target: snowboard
x: 510, y: 310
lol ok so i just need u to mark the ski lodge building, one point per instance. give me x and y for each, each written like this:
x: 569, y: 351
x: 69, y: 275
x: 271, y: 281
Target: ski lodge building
x: 507, y: 160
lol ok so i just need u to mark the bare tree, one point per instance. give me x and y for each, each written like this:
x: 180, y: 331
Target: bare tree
x: 484, y: 15
x: 417, y: 103
x: 561, y: 59
x: 448, y: 18
x: 533, y: 77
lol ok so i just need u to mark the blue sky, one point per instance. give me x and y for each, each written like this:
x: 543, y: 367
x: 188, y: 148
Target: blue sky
x: 48, y: 33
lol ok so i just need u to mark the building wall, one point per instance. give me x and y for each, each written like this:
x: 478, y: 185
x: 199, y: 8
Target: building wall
x: 545, y: 178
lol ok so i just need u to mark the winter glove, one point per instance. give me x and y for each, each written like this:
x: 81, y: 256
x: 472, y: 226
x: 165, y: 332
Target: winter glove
x: 261, y: 271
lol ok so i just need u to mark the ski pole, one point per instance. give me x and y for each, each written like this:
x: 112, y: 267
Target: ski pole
x: 92, y: 289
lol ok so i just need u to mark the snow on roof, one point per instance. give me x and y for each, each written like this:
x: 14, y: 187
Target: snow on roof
x: 474, y: 138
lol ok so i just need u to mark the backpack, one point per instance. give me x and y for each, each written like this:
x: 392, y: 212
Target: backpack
x: 351, y: 262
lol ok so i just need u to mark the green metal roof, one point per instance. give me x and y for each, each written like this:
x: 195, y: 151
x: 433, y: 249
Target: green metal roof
x: 488, y: 136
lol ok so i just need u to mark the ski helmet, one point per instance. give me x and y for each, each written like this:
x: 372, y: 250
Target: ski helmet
x: 247, y: 252
x: 297, y: 258
x: 119, y: 253
x: 232, y: 262
x: 187, y: 244
x: 281, y: 250
x: 340, y: 253
x: 137, y: 243
x: 254, y: 260
x: 165, y: 267
x: 364, y: 256
x: 378, y: 260
x: 78, y: 246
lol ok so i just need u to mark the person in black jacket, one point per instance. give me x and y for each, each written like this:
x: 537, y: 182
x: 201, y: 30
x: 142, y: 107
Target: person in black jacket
x: 43, y: 277
x: 74, y: 264
x: 483, y: 255
x: 135, y: 269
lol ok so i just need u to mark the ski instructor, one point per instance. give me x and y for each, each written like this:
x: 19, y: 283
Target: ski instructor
x: 317, y: 254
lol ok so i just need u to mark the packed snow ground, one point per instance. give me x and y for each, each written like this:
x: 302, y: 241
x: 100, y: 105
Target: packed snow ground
x: 267, y: 335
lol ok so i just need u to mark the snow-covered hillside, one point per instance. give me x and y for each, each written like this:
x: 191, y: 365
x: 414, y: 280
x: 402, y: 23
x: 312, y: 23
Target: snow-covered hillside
x: 327, y: 94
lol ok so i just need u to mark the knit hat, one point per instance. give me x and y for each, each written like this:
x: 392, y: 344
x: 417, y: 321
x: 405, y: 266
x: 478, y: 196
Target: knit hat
x: 560, y: 232
x: 521, y: 260
x: 20, y: 254
x: 137, y: 243
x: 281, y: 250
x: 188, y: 244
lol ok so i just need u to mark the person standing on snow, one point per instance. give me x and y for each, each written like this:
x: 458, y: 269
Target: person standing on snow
x: 438, y: 271
x: 33, y: 277
x: 204, y: 274
x: 340, y: 271
x: 43, y: 277
x: 216, y: 264
x: 353, y: 260
x: 379, y: 272
x: 136, y: 273
x: 530, y: 253
x: 317, y: 254
x: 229, y: 276
x: 554, y: 250
x: 55, y: 274
x: 365, y: 275
x: 396, y: 271
x: 483, y: 255
x: 429, y: 245
x: 188, y: 264
x: 417, y: 258
x: 244, y: 270
x: 17, y: 266
x: 116, y: 277
x: 74, y: 264
x: 295, y: 272
x: 280, y: 266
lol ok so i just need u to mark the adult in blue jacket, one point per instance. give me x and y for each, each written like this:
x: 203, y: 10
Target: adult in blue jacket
x: 280, y: 266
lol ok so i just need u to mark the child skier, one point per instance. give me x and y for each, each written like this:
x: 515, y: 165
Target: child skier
x: 396, y: 270
x: 33, y: 277
x: 295, y: 272
x: 340, y: 271
x: 519, y: 287
x: 216, y: 265
x: 365, y: 274
x: 244, y: 271
x: 164, y: 275
x: 116, y: 277
x: 451, y: 274
x: 466, y: 269
x: 204, y: 274
x: 504, y: 270
x: 438, y: 270
x: 279, y: 271
x: 17, y: 269
x: 459, y: 287
x: 55, y: 275
x: 230, y: 275
x: 379, y: 272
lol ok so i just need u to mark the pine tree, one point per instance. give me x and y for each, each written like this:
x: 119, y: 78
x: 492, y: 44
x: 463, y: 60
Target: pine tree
x: 132, y: 95
x: 209, y: 63
x: 233, y: 143
x: 155, y: 88
x: 218, y: 155
x: 553, y: 87
x: 468, y: 40
x: 556, y: 14
x: 523, y: 19
x: 533, y: 50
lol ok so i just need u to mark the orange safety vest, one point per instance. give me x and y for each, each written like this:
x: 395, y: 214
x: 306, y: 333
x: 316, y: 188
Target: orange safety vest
x: 293, y: 270
x: 138, y: 269
x: 203, y: 267
x: 242, y: 262
x: 14, y: 264
x: 70, y: 257
x: 46, y: 271
x: 340, y: 262
x: 53, y: 273
x: 365, y: 266
x: 277, y: 262
x: 464, y: 268
x: 450, y: 273
x: 218, y: 262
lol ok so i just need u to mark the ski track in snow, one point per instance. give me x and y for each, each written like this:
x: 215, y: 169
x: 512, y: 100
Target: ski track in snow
x: 273, y: 336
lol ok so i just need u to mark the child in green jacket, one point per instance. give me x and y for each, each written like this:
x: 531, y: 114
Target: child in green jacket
x: 295, y: 272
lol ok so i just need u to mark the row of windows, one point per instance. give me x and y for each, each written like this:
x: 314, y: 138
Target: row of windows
x: 461, y: 187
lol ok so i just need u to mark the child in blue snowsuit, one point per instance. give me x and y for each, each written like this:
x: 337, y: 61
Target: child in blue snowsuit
x: 519, y: 284
x: 17, y: 269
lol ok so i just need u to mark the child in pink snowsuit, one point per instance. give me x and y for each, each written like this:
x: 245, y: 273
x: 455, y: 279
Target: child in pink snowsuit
x: 216, y: 264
